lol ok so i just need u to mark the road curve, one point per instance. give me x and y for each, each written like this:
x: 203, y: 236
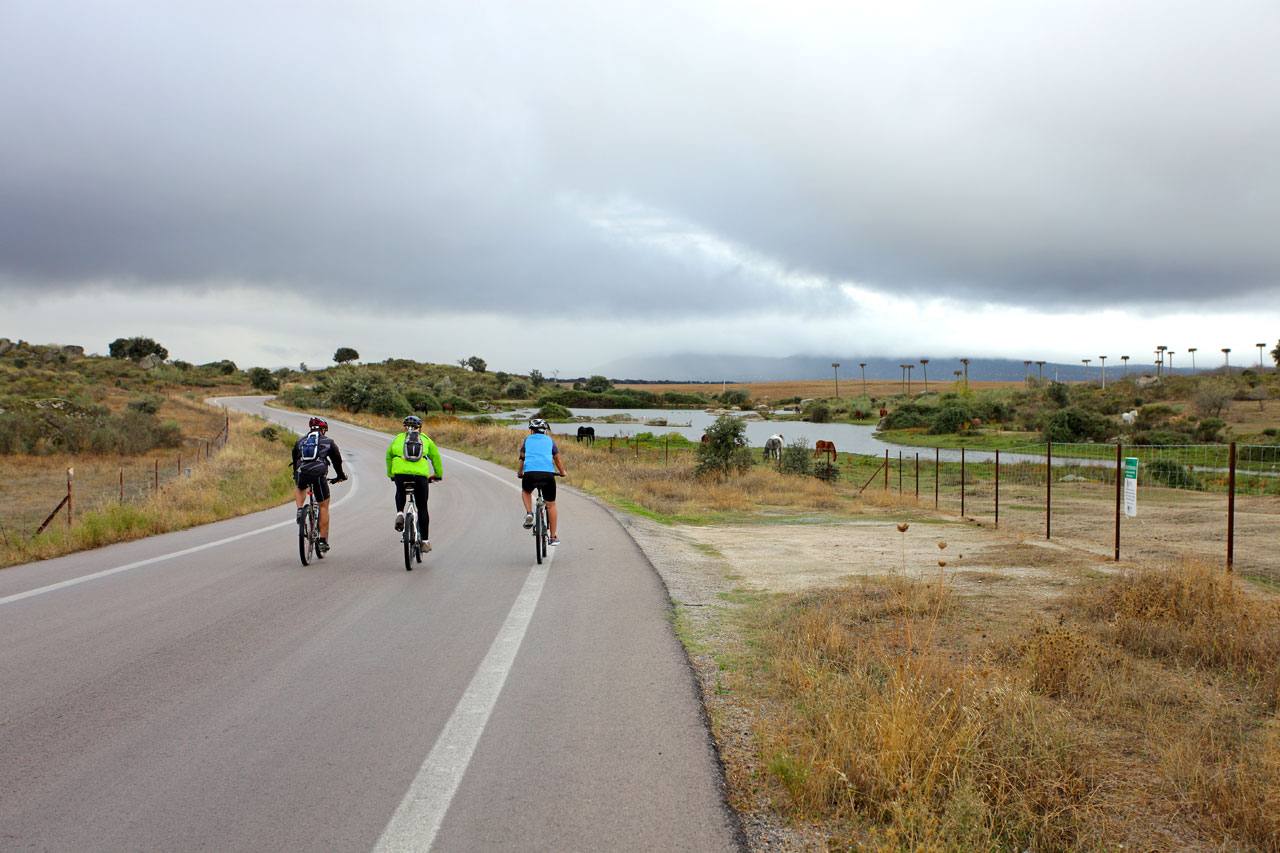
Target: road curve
x: 201, y: 690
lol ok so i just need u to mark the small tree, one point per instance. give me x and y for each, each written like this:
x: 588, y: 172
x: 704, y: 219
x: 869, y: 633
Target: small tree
x: 136, y: 349
x: 597, y: 384
x: 1213, y: 398
x: 536, y: 378
x: 796, y: 458
x: 344, y: 354
x: 725, y: 449
x: 477, y: 364
x: 1275, y: 355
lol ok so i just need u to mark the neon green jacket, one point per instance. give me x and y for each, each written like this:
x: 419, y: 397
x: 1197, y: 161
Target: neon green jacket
x: 397, y: 464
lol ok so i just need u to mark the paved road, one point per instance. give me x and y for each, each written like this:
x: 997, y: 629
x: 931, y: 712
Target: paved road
x: 229, y: 699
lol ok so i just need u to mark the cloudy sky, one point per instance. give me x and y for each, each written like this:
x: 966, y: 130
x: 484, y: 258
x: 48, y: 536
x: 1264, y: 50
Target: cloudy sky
x: 557, y: 185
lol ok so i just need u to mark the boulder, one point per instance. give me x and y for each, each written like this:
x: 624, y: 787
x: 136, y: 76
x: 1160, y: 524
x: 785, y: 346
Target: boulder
x: 150, y: 362
x: 5, y: 345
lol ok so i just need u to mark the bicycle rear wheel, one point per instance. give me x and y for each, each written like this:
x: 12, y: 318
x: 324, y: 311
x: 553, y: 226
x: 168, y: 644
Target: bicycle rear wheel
x: 306, y: 543
x: 315, y: 531
x: 408, y: 538
x: 538, y: 530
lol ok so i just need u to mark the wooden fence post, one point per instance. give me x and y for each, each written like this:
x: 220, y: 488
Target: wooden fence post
x: 1231, y: 508
x: 886, y: 469
x: 71, y: 473
x: 899, y: 472
x: 157, y: 472
x: 962, y: 482
x: 1048, y: 489
x: 997, y: 488
x: 937, y: 474
x: 121, y: 485
x: 917, y: 476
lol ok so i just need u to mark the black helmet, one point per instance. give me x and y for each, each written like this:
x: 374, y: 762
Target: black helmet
x: 413, y: 422
x: 538, y: 425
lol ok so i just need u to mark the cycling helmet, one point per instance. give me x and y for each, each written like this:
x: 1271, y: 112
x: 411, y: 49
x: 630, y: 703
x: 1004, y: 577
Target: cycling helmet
x: 413, y: 421
x: 317, y: 423
x: 538, y: 425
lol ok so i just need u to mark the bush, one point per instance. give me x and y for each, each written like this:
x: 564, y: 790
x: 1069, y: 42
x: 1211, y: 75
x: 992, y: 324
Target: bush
x: 1210, y: 430
x: 909, y: 416
x: 818, y: 413
x: 300, y: 397
x: 554, y: 412
x: 1059, y: 394
x: 136, y: 349
x: 422, y: 400
x: 1173, y: 474
x: 516, y: 390
x: 1076, y: 424
x: 950, y: 418
x: 735, y: 397
x: 145, y: 405
x: 796, y: 459
x: 368, y: 392
x: 1213, y: 398
x: 725, y: 450
x: 261, y: 379
x: 460, y: 404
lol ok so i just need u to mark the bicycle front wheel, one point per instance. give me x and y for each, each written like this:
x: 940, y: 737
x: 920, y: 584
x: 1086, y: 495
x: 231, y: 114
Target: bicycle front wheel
x: 409, y: 530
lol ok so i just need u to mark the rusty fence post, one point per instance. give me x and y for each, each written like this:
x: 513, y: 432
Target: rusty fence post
x: 917, y: 476
x: 899, y: 472
x: 1119, y: 482
x: 997, y: 488
x: 157, y: 474
x: 71, y: 473
x: 962, y: 482
x: 1048, y: 489
x: 886, y: 469
x: 1231, y: 507
x: 937, y: 474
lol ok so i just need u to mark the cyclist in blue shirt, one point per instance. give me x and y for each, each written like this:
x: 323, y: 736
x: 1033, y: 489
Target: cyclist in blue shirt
x: 539, y: 463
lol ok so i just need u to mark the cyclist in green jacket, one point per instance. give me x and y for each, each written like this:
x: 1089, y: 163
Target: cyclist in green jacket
x: 413, y: 461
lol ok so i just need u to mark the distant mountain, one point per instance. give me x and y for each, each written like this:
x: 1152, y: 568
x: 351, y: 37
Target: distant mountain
x: 689, y: 367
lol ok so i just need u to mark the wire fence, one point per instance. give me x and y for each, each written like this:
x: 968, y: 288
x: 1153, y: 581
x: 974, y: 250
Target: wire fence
x: 1216, y: 502
x: 35, y: 495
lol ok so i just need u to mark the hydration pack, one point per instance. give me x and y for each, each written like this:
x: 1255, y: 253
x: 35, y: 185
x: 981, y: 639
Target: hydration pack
x: 412, y: 450
x: 310, y: 449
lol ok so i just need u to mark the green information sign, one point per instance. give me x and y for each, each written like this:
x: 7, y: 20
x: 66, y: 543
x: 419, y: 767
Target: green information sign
x: 1131, y: 486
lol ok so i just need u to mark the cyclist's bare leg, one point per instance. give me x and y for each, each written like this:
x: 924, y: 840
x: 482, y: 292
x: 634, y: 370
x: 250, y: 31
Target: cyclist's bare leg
x: 299, y: 497
x: 527, y: 497
x: 324, y: 519
x: 551, y: 517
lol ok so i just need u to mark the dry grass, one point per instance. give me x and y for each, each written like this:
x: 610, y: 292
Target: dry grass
x: 249, y: 474
x: 897, y: 715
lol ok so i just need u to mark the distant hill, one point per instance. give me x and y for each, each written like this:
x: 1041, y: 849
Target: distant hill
x: 689, y: 367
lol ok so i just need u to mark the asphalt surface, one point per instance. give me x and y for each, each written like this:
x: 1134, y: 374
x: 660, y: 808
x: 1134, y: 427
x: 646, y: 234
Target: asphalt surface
x: 227, y: 698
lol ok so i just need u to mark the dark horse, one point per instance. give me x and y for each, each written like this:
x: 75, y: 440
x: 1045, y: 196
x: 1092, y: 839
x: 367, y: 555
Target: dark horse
x: 587, y: 434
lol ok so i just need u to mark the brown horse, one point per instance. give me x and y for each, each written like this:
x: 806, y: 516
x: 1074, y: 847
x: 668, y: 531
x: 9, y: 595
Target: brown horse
x: 447, y: 408
x: 825, y: 447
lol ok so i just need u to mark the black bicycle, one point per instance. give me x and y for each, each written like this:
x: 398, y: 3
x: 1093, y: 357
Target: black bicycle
x: 541, y: 529
x: 309, y: 528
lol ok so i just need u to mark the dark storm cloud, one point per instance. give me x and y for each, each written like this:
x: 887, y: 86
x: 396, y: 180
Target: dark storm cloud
x: 470, y: 156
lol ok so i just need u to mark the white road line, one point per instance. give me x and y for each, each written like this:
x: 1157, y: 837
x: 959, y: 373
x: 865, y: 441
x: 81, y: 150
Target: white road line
x: 418, y: 818
x: 9, y: 599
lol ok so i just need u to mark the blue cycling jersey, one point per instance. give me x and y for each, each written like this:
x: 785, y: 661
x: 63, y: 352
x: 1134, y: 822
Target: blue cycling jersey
x: 538, y: 452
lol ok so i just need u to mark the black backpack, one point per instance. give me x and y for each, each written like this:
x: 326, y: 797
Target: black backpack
x: 412, y: 450
x: 309, y: 451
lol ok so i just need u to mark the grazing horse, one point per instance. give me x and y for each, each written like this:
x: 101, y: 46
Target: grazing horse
x: 587, y: 434
x: 447, y: 408
x: 773, y: 447
x: 827, y: 447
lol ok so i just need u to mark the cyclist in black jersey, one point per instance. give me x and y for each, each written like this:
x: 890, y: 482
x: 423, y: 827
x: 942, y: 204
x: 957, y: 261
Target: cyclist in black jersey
x: 312, y: 456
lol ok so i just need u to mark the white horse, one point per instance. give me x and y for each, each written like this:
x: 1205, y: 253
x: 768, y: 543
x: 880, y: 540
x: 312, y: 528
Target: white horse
x: 773, y: 447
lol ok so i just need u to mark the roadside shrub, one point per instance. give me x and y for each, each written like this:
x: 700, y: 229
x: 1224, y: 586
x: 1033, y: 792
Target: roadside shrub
x: 422, y: 400
x: 1174, y: 474
x: 300, y: 397
x: 145, y: 405
x: 725, y: 450
x: 226, y: 366
x: 796, y: 459
x: 460, y: 404
x: 261, y: 379
x: 554, y: 412
x: 1076, y: 424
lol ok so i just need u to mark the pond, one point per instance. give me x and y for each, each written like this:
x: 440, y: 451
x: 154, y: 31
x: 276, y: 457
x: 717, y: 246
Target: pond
x: 848, y: 438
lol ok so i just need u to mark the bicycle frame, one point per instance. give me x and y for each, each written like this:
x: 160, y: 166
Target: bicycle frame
x: 411, y: 537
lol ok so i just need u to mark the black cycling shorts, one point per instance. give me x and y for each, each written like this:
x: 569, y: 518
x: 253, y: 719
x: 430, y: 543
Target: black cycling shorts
x: 544, y: 479
x: 319, y: 484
